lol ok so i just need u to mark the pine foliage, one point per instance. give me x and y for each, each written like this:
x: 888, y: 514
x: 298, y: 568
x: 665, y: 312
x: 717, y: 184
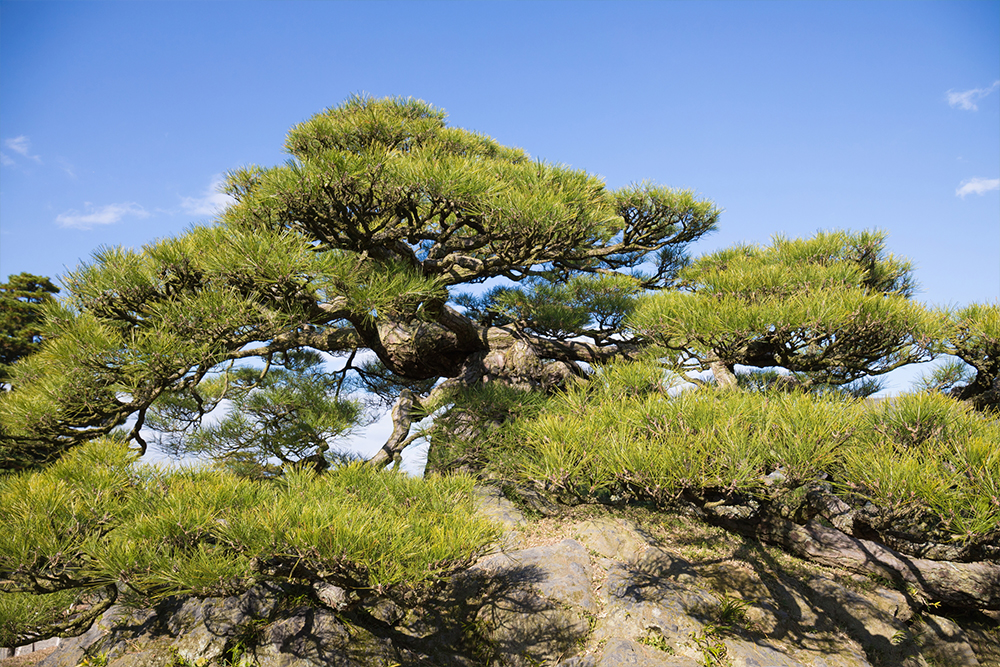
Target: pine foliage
x: 97, y: 518
x: 21, y: 300
x: 351, y: 246
x: 834, y: 308
x: 626, y: 435
x: 564, y: 376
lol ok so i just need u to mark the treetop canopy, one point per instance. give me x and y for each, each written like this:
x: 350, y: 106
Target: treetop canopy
x: 354, y: 244
x: 389, y: 179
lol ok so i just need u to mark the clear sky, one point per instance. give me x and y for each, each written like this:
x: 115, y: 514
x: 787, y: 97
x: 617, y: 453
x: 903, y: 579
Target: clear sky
x: 117, y: 118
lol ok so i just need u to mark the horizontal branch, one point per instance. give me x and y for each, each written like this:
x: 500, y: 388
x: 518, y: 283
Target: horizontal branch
x: 330, y: 340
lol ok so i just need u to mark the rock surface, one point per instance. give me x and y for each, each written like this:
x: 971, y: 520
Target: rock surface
x: 591, y: 589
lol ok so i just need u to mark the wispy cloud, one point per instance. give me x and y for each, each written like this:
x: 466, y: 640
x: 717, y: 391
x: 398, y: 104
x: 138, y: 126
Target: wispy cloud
x: 212, y: 201
x: 979, y: 186
x: 100, y: 215
x: 67, y: 167
x: 967, y: 99
x: 6, y: 160
x: 22, y: 146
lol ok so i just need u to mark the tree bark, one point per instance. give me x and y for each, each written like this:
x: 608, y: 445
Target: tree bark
x: 981, y: 394
x: 503, y: 357
x: 724, y: 376
x: 402, y: 419
x: 960, y: 585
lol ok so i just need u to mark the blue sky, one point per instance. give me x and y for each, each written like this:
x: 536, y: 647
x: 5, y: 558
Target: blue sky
x: 117, y: 118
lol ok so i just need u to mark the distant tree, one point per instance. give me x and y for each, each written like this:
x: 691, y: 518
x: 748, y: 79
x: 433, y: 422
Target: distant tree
x: 21, y: 300
x: 833, y: 309
x: 361, y: 242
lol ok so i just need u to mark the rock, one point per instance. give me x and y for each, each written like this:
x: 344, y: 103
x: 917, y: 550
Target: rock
x: 560, y: 572
x: 72, y: 650
x: 491, y: 502
x: 332, y: 596
x: 627, y: 653
x: 982, y: 632
x: 612, y: 538
x: 942, y: 641
x: 316, y: 638
x: 525, y: 629
x: 880, y: 633
x: 543, y: 612
x: 603, y: 594
x: 649, y: 594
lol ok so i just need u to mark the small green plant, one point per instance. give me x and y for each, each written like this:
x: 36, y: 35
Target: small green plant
x: 591, y: 624
x: 732, y: 613
x: 476, y: 635
x: 654, y: 638
x: 177, y: 660
x: 714, y: 652
x: 299, y: 600
x: 96, y: 660
x: 247, y: 637
x: 880, y: 581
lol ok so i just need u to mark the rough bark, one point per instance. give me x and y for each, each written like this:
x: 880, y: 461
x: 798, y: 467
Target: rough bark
x: 454, y: 347
x: 982, y: 394
x: 961, y: 585
x: 725, y: 378
x: 402, y: 419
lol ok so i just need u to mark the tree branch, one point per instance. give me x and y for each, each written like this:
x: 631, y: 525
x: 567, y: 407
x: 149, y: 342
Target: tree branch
x: 402, y: 419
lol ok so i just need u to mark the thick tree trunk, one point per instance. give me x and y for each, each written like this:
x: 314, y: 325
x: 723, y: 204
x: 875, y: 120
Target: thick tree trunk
x: 725, y: 378
x: 421, y: 350
x: 492, y: 355
x: 402, y: 419
x: 983, y: 394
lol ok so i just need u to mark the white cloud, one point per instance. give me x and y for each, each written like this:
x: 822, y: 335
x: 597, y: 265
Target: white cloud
x: 22, y: 146
x: 210, y: 203
x: 67, y: 167
x: 103, y: 215
x: 977, y: 186
x: 6, y: 160
x: 967, y: 99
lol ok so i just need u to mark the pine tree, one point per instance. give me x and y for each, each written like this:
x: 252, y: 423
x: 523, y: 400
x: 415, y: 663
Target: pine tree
x: 834, y: 309
x: 21, y: 300
x: 288, y: 416
x: 362, y: 241
x: 975, y: 339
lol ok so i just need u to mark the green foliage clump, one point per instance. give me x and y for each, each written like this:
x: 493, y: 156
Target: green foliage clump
x: 286, y: 415
x: 593, y: 306
x: 833, y: 308
x: 620, y: 435
x: 975, y: 339
x: 462, y: 437
x: 96, y: 518
x: 625, y: 434
x: 140, y: 324
x: 21, y: 611
x: 352, y: 247
x: 926, y: 453
x: 22, y: 299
